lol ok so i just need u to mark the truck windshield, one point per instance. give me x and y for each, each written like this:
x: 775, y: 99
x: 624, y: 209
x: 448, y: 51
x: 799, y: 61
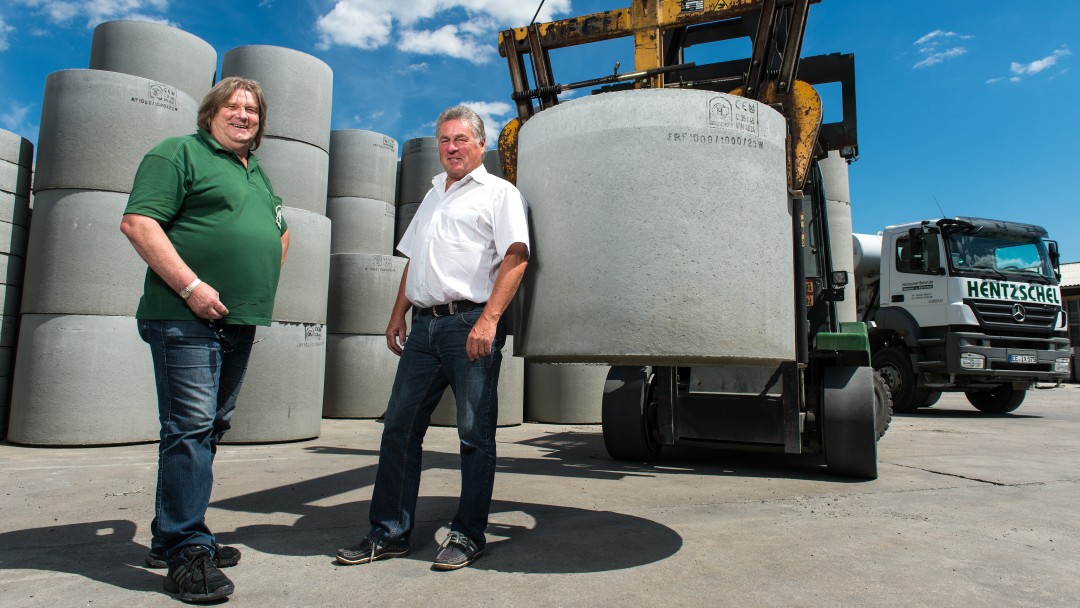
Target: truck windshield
x: 1003, y: 256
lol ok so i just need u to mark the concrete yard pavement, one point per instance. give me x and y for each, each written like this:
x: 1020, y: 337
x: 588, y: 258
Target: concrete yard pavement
x: 969, y: 509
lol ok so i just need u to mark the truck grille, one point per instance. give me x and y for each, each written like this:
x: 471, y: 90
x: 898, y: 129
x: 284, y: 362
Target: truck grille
x: 1002, y: 315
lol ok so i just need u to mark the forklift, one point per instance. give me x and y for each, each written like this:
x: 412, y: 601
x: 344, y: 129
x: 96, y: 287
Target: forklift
x: 825, y: 400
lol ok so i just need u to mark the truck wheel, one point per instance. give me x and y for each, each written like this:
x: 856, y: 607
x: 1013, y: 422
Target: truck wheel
x: 895, y: 367
x: 1000, y: 399
x: 848, y: 426
x: 882, y: 404
x: 931, y: 398
x: 629, y: 424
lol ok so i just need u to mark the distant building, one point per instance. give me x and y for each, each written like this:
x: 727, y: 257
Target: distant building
x: 1070, y: 298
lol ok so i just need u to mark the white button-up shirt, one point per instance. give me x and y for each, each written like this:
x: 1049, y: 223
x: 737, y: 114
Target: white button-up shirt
x: 458, y: 238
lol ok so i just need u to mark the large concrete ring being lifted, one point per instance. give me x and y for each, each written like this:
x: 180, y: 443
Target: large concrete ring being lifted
x: 662, y: 231
x: 564, y: 394
x: 360, y: 225
x: 360, y: 373
x: 96, y: 127
x: 79, y: 263
x: 282, y: 395
x: 419, y: 163
x: 82, y: 380
x: 363, y: 288
x: 298, y: 87
x: 297, y: 171
x: 511, y: 393
x: 155, y: 51
x: 305, y: 277
x: 363, y: 164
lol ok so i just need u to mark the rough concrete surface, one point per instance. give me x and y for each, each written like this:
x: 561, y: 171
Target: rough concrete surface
x: 695, y: 267
x: 970, y: 510
x: 155, y: 51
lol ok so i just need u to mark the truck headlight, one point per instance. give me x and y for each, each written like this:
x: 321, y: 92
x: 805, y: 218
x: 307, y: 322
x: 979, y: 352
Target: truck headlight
x: 972, y: 361
x: 1061, y: 366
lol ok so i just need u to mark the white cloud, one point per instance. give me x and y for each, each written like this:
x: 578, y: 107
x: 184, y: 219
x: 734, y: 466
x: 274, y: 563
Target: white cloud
x: 14, y: 120
x: 1019, y: 70
x: 448, y: 40
x: 370, y: 24
x: 4, y: 30
x: 490, y: 112
x: 1023, y: 69
x: 931, y: 45
x: 98, y: 11
x: 350, y: 24
x: 937, y: 58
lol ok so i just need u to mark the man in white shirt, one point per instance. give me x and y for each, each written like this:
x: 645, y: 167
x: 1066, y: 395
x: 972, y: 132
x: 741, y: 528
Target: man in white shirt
x: 468, y: 246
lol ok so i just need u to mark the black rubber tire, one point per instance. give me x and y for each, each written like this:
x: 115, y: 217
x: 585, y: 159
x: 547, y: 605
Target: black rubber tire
x: 848, y: 426
x: 882, y: 405
x: 629, y: 426
x: 895, y: 367
x: 1001, y: 399
x: 931, y: 398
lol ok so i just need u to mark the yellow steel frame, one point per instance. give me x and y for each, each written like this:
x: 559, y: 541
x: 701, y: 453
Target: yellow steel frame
x: 646, y: 21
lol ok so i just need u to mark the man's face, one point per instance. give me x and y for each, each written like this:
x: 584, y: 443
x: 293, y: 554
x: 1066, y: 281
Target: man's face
x: 459, y: 150
x: 235, y: 124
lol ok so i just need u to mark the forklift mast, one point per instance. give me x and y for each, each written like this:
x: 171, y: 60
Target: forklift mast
x: 822, y: 400
x: 662, y: 31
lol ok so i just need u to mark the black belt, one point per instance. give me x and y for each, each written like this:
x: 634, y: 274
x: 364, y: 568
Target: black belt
x: 444, y: 310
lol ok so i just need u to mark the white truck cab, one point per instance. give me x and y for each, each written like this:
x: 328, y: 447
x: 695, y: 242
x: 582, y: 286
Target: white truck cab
x: 962, y: 304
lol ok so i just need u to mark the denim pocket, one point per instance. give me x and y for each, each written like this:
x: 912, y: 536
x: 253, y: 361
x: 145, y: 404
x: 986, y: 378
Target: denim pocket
x: 470, y: 318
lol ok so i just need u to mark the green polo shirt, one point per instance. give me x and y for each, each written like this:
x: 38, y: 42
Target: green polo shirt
x: 223, y: 219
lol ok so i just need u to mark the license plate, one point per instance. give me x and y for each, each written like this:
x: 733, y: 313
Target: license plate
x: 1023, y: 359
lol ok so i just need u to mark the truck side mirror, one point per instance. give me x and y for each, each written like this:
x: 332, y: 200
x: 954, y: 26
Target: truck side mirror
x: 1055, y: 257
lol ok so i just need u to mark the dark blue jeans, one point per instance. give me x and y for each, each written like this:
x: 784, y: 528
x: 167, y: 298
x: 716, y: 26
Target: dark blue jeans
x: 198, y: 367
x: 433, y: 358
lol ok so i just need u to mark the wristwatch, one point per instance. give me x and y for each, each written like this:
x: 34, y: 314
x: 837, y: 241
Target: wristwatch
x: 186, y: 292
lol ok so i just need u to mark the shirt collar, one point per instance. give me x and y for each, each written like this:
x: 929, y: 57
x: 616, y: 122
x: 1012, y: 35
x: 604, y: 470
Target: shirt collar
x: 209, y: 140
x: 479, y: 174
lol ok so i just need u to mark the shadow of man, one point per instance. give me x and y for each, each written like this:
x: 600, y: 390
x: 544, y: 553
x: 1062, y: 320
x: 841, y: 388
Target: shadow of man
x: 106, y: 552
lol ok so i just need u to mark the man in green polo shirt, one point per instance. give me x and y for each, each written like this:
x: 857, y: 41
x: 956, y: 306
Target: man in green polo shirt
x: 204, y: 217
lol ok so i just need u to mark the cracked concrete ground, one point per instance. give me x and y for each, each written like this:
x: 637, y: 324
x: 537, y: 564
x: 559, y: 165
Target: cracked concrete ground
x: 969, y: 509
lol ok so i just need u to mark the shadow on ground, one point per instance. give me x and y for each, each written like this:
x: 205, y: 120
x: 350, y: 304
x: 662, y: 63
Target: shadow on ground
x: 104, y: 551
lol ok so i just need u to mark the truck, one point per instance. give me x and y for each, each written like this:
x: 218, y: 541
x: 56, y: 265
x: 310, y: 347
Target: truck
x: 819, y: 400
x: 962, y: 304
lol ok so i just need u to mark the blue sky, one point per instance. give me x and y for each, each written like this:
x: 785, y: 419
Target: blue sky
x: 969, y: 102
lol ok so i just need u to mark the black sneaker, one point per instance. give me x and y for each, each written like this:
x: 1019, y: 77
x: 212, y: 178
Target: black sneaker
x: 194, y: 577
x: 224, y: 557
x: 457, y: 551
x: 368, y: 551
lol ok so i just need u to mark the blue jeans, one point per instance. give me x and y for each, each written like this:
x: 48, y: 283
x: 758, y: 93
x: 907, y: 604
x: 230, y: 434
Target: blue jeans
x: 198, y: 368
x: 433, y: 358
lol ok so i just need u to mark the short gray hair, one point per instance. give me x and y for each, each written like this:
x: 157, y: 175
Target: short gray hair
x: 462, y: 113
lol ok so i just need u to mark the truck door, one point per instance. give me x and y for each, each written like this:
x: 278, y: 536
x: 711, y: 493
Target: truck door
x: 917, y: 281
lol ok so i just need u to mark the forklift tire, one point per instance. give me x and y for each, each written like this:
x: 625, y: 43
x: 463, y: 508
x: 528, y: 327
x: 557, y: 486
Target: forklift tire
x: 1000, y: 399
x: 895, y: 367
x: 628, y: 422
x: 849, y: 431
x: 882, y: 405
